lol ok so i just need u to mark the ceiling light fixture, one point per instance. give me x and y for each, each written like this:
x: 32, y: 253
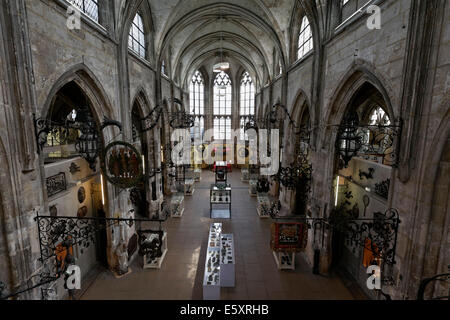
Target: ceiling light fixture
x: 221, y: 66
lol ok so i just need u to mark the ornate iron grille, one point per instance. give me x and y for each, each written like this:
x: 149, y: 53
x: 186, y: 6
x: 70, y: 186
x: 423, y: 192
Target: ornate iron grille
x: 179, y: 119
x: 382, y: 188
x: 382, y: 230
x: 56, y: 184
x: 372, y: 141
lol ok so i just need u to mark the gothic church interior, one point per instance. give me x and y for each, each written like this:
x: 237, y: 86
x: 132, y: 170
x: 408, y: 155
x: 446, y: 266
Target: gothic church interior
x: 224, y: 150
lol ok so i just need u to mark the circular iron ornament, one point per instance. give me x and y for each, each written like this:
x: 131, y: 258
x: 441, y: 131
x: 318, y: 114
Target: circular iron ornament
x: 122, y: 165
x: 81, y: 194
x: 244, y: 153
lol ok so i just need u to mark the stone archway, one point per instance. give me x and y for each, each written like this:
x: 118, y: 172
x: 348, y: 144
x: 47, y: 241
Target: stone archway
x: 429, y: 253
x: 99, y: 202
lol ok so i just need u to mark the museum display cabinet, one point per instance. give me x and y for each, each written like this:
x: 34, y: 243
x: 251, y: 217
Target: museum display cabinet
x: 177, y: 205
x: 220, y: 268
x: 227, y: 261
x: 263, y: 206
x: 220, y: 201
x: 245, y: 175
x: 189, y: 187
x: 253, y: 190
x: 197, y: 174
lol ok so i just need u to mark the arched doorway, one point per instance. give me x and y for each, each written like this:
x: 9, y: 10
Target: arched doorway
x: 70, y: 155
x: 363, y: 161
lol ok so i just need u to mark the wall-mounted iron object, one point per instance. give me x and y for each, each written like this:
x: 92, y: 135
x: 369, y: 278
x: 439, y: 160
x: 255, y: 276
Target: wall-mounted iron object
x: 367, y: 175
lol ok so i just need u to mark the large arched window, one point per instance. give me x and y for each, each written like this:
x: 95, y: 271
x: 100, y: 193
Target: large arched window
x: 305, y: 39
x: 349, y: 7
x: 136, y: 40
x: 88, y: 7
x: 247, y: 102
x: 222, y: 107
x: 197, y: 103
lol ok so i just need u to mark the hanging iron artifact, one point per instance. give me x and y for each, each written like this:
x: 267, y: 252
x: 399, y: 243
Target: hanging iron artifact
x: 122, y: 165
x: 89, y: 143
x: 378, y: 140
x: 179, y: 119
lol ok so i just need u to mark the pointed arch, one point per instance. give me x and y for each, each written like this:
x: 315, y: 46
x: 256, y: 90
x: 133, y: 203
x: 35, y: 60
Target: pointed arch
x: 81, y: 75
x: 358, y: 74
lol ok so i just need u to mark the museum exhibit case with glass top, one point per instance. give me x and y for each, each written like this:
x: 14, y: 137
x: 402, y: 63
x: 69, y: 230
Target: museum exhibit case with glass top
x: 220, y: 263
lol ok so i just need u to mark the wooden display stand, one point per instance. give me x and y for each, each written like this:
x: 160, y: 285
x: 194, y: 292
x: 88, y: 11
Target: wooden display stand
x: 158, y: 262
x: 284, y: 260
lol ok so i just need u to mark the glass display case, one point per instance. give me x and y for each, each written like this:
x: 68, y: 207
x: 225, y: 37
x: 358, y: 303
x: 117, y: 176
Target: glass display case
x: 177, y: 205
x: 245, y: 175
x: 220, y: 195
x: 197, y: 174
x: 211, y: 280
x: 263, y: 206
x: 227, y: 261
x: 189, y: 187
x: 220, y: 263
x: 253, y: 190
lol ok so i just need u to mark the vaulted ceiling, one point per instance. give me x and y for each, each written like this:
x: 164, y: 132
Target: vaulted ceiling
x: 189, y: 34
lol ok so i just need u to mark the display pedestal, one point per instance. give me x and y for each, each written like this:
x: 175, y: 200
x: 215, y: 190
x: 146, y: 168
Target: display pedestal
x: 189, y: 187
x: 263, y: 202
x: 157, y: 263
x: 177, y: 205
x: 253, y: 188
x: 284, y: 260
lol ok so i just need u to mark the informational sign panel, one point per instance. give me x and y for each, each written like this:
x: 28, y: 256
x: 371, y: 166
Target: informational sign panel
x: 289, y: 237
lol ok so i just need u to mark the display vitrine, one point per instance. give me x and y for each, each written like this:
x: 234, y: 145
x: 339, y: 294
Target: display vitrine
x: 197, y: 174
x: 220, y: 263
x: 220, y: 201
x: 253, y: 190
x: 177, y: 205
x: 245, y: 175
x: 263, y: 205
x: 189, y: 187
x: 227, y: 261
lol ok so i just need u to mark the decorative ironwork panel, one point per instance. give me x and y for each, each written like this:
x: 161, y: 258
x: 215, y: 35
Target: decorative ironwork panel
x: 382, y: 188
x: 56, y: 184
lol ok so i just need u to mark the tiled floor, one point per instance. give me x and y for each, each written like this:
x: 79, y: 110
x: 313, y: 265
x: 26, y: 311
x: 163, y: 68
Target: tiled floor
x: 181, y: 275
